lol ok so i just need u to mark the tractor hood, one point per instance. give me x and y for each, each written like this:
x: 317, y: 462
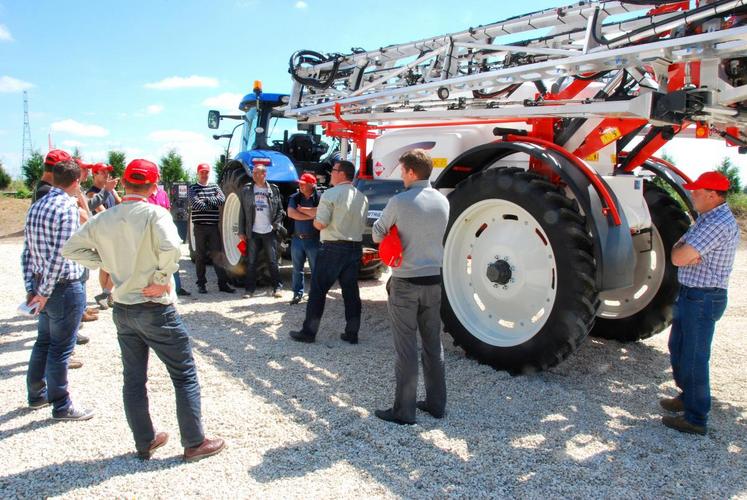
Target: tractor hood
x: 280, y: 169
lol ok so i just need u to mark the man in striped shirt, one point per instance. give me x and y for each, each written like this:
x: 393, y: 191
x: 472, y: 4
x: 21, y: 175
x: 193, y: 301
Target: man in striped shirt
x: 54, y: 288
x: 205, y: 199
x: 705, y: 258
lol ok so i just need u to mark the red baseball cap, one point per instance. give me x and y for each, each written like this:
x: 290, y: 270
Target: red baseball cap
x: 141, y: 172
x: 82, y: 164
x: 100, y: 167
x: 308, y: 179
x: 55, y: 156
x: 715, y: 181
x: 203, y: 167
x: 390, y: 248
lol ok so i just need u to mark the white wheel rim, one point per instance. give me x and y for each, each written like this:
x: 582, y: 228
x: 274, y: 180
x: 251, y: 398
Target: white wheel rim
x: 498, y: 314
x: 230, y: 228
x: 647, y: 278
x: 192, y: 244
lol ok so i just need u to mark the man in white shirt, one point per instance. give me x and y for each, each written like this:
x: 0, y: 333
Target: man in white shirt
x: 260, y: 220
x: 142, y: 261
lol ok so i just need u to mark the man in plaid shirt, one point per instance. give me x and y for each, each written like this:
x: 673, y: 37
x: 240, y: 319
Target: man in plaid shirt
x: 705, y: 258
x: 54, y: 288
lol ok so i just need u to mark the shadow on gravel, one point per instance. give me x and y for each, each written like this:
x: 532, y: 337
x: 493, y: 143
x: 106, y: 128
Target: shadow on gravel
x: 54, y: 479
x: 590, y: 426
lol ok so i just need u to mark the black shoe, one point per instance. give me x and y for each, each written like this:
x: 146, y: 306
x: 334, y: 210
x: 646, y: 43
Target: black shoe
x: 296, y: 298
x: 388, y: 416
x: 424, y: 407
x: 299, y: 336
x: 350, y: 337
x: 201, y: 289
x: 226, y: 289
x: 183, y: 293
x: 102, y: 300
x: 82, y: 339
x: 36, y: 405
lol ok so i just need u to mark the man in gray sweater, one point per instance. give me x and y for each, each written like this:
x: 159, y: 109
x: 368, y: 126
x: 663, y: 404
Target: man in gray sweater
x: 420, y: 214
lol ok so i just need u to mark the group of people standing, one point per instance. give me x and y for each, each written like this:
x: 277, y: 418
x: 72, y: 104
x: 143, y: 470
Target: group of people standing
x: 66, y: 234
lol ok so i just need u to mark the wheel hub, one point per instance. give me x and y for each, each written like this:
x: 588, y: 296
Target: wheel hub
x: 499, y: 272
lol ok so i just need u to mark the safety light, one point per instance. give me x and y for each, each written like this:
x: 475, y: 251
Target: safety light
x: 262, y: 161
x: 257, y: 86
x: 702, y: 131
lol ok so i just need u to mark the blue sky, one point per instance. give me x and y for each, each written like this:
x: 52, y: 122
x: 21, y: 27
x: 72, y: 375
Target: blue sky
x: 140, y: 76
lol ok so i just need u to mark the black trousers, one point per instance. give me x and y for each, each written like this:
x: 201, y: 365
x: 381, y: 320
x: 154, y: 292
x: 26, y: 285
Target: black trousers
x: 268, y: 242
x: 208, y: 244
x: 335, y: 261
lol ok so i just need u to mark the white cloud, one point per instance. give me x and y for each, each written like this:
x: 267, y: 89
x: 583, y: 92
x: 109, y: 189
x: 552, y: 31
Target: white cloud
x: 194, y: 147
x: 180, y: 82
x: 301, y: 5
x: 73, y: 127
x: 226, y: 100
x: 5, y: 35
x: 175, y: 136
x: 72, y: 144
x: 154, y: 109
x: 10, y: 84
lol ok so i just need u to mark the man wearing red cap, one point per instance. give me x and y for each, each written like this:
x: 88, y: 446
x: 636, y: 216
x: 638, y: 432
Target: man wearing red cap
x: 305, y: 243
x: 205, y: 199
x: 705, y: 258
x: 142, y: 261
x: 45, y: 183
x: 101, y: 180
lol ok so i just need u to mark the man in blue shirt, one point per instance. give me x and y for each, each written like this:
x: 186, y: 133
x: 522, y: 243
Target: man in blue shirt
x: 54, y: 288
x: 705, y: 258
x: 305, y: 243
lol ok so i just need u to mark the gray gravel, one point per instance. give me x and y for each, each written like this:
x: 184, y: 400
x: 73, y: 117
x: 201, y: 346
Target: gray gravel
x: 299, y: 421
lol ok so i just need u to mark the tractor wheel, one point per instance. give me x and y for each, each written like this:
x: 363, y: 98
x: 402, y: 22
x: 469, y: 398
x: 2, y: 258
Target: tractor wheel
x: 233, y: 179
x: 518, y: 276
x: 191, y: 239
x: 645, y: 309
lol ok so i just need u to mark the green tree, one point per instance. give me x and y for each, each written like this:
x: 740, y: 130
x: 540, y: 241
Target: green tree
x: 117, y: 160
x: 732, y: 172
x: 219, y: 165
x: 172, y: 169
x: 76, y: 154
x: 33, y: 169
x: 5, y: 179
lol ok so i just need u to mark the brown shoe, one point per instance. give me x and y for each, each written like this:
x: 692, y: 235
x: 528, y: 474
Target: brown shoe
x: 161, y: 439
x: 679, y: 423
x: 208, y: 448
x: 92, y: 310
x: 89, y: 317
x: 674, y: 405
x: 74, y: 364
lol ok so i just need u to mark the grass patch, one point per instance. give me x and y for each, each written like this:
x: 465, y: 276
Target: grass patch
x: 738, y: 204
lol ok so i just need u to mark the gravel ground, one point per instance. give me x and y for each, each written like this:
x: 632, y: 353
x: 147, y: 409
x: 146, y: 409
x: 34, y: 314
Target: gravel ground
x: 299, y: 420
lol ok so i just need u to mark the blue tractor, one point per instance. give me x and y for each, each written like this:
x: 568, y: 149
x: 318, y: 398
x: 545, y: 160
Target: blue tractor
x: 286, y: 154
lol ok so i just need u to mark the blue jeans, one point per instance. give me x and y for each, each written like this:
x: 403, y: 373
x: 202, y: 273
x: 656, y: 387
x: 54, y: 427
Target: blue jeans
x: 158, y: 327
x: 695, y: 315
x: 335, y: 261
x: 177, y: 281
x: 301, y: 249
x: 55, y: 341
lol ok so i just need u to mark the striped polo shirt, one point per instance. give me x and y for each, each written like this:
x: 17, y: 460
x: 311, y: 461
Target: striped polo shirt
x: 205, y: 202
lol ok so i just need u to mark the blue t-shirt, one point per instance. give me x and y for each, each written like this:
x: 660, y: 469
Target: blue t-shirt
x: 305, y: 227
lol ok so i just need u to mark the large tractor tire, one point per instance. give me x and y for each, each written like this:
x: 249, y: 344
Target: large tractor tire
x: 233, y: 179
x: 518, y: 278
x: 645, y: 309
